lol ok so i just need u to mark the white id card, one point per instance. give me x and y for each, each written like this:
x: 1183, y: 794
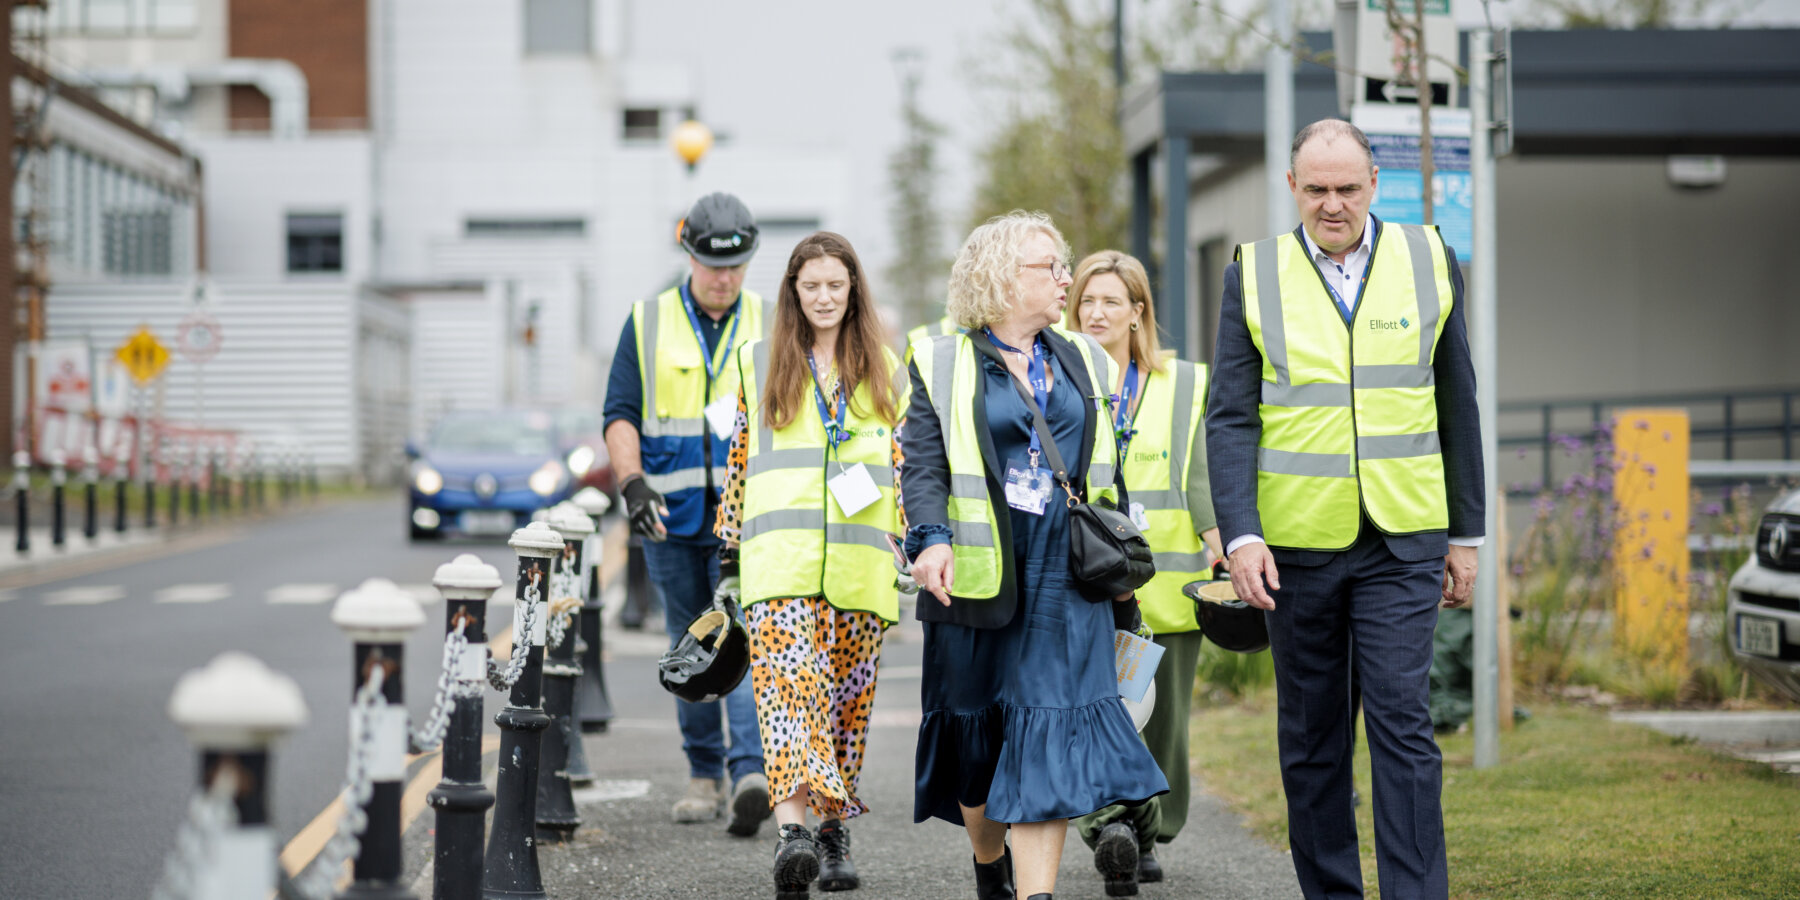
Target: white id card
x: 1139, y: 517
x: 721, y: 417
x: 1136, y: 659
x: 1028, y: 488
x: 854, y: 489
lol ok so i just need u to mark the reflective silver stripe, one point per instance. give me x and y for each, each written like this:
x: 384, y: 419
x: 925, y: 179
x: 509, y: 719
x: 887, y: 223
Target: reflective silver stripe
x: 647, y: 329
x: 1101, y: 474
x: 1184, y: 421
x: 1287, y: 462
x: 968, y: 487
x: 1179, y: 562
x: 765, y: 438
x: 972, y: 534
x: 943, y: 375
x: 654, y: 427
x: 1324, y: 394
x: 678, y: 480
x: 1400, y: 376
x: 1152, y: 501
x: 765, y: 460
x: 1397, y: 446
x: 782, y: 520
x: 858, y: 534
x: 1424, y: 289
x: 1268, y: 302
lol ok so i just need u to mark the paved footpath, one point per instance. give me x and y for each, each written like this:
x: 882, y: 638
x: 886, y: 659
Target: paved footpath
x: 627, y: 847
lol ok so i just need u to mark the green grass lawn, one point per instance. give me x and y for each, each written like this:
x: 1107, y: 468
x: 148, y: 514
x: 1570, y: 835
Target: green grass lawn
x: 1580, y: 806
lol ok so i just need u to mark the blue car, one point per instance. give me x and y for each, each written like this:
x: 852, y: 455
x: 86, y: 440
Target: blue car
x: 483, y: 474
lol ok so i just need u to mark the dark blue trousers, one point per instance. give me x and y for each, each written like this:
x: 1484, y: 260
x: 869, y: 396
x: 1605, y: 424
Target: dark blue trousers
x: 1368, y: 604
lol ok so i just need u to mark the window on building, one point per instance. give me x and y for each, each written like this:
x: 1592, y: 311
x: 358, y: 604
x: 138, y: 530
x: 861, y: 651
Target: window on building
x: 315, y: 242
x: 643, y: 124
x: 558, y: 26
x: 115, y: 16
x: 137, y: 242
x: 525, y: 228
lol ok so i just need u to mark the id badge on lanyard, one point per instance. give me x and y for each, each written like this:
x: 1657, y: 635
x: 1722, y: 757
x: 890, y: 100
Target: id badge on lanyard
x: 1028, y: 484
x: 852, y: 487
x: 721, y: 414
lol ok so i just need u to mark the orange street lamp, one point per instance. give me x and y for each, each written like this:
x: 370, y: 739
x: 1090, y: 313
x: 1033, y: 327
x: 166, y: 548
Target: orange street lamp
x: 692, y: 140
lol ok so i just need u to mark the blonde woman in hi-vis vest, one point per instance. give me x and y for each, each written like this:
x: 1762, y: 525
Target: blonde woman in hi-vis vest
x: 809, y: 502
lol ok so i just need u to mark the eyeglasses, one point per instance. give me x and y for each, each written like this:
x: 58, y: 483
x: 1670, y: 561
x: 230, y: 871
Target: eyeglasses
x: 1058, y: 269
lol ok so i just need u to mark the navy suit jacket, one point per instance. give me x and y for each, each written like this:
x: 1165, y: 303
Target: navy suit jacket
x: 1234, y: 427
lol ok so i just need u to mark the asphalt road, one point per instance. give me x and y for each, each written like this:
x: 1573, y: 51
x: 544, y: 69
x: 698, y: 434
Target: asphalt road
x: 96, y: 776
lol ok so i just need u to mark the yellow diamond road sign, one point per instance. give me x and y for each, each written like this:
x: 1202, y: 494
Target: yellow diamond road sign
x: 143, y: 355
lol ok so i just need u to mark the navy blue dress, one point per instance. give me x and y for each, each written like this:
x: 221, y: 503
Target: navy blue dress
x: 1027, y: 718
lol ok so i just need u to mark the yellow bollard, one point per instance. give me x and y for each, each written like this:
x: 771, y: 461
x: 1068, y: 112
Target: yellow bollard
x: 1650, y: 552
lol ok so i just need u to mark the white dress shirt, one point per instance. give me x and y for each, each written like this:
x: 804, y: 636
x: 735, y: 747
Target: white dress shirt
x: 1346, y: 279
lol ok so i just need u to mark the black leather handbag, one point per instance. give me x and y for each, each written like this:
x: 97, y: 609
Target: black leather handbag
x: 1108, y: 555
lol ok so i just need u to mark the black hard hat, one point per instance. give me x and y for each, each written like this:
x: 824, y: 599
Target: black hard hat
x: 719, y: 231
x: 709, y: 660
x: 1225, y: 620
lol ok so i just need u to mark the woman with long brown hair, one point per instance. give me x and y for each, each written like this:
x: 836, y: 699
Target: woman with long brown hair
x: 809, y: 502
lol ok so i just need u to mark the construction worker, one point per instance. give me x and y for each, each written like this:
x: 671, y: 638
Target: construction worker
x: 670, y: 403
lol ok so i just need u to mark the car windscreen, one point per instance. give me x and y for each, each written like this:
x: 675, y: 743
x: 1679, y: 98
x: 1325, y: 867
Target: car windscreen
x: 495, y: 433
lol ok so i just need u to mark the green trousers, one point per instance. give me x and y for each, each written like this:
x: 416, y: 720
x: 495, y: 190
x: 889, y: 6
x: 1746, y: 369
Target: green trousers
x: 1166, y: 734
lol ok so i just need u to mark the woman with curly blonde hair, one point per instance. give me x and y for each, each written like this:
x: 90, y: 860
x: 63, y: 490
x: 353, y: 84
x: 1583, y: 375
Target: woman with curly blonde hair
x: 1023, y: 728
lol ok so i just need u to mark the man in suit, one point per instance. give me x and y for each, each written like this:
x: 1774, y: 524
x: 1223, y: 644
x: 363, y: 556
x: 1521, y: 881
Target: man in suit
x: 1347, y: 476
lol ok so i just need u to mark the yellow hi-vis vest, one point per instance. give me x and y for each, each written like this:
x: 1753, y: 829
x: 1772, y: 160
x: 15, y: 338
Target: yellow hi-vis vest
x: 678, y: 449
x: 932, y: 329
x: 1349, y: 415
x: 1168, y: 423
x: 795, y: 539
x: 952, y: 375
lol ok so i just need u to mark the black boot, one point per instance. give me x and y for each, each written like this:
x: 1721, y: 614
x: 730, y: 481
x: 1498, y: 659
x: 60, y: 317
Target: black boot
x: 836, y: 871
x: 994, y: 881
x: 1149, y: 870
x: 1116, y: 856
x: 1040, y: 897
x: 796, y: 862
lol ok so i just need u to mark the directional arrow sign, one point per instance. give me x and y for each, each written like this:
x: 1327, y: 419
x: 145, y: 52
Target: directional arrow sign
x: 143, y: 356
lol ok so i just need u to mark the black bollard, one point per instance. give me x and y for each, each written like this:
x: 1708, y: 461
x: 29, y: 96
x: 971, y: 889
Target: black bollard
x: 58, y: 478
x: 194, y: 486
x: 232, y: 711
x: 121, y: 484
x: 556, y: 815
x: 378, y: 615
x: 174, y: 470
x: 149, y: 493
x: 593, y: 708
x: 22, y: 495
x: 461, y: 800
x: 511, y: 867
x: 90, y: 477
x: 638, y: 598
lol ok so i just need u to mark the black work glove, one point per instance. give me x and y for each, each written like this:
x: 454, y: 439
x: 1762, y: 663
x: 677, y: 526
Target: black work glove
x: 1126, y: 616
x: 645, y: 509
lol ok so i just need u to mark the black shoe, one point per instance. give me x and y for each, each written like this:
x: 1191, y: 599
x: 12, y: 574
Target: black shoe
x: 836, y: 871
x: 749, y: 805
x: 1149, y: 870
x: 796, y: 862
x: 994, y: 881
x: 1116, y: 856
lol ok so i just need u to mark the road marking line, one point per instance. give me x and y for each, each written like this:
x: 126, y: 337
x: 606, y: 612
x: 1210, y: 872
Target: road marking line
x: 309, y: 593
x: 193, y: 593
x: 85, y: 596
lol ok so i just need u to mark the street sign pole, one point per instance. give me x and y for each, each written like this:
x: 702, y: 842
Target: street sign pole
x: 1278, y: 117
x: 1484, y: 346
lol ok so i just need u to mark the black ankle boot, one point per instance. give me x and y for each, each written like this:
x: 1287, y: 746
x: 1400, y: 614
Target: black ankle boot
x: 994, y: 881
x: 1116, y: 856
x: 836, y: 871
x: 1149, y: 870
x: 796, y: 862
x: 1039, y: 897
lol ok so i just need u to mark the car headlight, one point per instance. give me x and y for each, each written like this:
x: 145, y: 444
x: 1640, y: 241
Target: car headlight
x: 546, y: 479
x: 427, y: 479
x: 581, y: 459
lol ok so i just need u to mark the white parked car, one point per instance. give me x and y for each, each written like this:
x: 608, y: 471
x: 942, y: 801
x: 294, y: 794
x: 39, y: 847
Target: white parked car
x: 1763, y: 608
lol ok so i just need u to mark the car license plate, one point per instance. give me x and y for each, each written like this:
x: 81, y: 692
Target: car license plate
x: 1759, y: 636
x: 487, y: 521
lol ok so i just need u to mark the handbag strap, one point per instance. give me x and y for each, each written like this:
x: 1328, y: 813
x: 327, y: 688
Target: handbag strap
x: 1060, y: 470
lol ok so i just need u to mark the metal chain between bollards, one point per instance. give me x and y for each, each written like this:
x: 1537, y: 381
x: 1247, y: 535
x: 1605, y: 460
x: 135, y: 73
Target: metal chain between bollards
x: 449, y: 687
x: 318, y: 880
x: 210, y: 814
x: 502, y: 680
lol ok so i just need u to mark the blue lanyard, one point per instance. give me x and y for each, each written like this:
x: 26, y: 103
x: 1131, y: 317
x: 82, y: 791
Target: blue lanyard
x: 835, y: 433
x: 1346, y: 309
x: 1124, y: 418
x: 715, y: 363
x: 1037, y: 373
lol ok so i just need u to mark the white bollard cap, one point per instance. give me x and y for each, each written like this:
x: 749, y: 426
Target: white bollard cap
x: 537, y: 539
x: 236, y: 703
x: 466, y: 578
x: 568, y: 519
x: 377, y: 612
x: 592, y: 501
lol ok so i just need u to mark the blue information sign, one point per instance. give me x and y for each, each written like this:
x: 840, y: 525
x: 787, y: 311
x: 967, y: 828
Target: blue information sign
x: 1399, y: 189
